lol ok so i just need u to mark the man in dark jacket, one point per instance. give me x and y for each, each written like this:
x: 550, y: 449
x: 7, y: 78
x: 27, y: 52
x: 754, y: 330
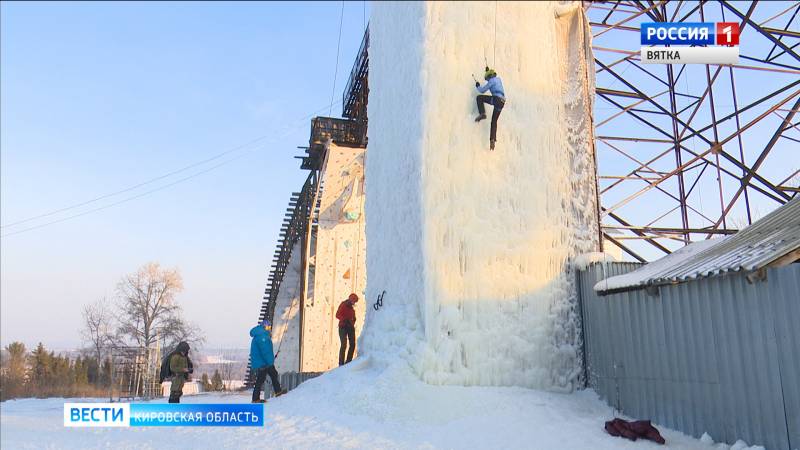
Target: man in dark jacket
x: 347, y: 328
x: 262, y: 360
x: 179, y: 367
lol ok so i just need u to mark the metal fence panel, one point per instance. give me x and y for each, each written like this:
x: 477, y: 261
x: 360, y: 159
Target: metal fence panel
x: 717, y: 355
x: 785, y: 301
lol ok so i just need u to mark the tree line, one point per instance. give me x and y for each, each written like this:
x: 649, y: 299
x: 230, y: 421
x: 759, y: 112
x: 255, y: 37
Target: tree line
x: 40, y: 373
x: 144, y: 313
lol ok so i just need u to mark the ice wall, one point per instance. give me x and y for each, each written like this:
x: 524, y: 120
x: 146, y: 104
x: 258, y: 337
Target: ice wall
x: 338, y: 257
x: 473, y: 246
x: 286, y: 321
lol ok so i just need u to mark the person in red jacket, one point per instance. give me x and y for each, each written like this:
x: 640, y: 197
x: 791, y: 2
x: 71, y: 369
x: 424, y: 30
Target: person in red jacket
x: 347, y: 328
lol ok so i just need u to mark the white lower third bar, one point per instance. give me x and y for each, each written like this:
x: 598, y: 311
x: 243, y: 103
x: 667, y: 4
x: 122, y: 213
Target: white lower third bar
x: 690, y: 55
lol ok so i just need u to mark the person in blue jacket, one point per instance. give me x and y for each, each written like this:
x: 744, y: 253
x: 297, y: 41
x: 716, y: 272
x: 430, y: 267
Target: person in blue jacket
x: 262, y: 360
x: 498, y: 98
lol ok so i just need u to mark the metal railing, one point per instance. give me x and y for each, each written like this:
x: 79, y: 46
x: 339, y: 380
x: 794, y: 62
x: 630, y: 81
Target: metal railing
x: 134, y: 373
x: 354, y: 98
x: 295, y: 223
x: 344, y: 132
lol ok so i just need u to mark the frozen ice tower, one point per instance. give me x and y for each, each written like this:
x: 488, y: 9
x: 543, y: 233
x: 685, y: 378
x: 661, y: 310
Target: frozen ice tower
x: 473, y: 246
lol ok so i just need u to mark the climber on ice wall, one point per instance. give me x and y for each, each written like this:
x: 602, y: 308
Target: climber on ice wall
x: 498, y: 99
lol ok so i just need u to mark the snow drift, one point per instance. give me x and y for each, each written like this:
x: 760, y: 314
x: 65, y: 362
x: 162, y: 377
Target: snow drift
x: 472, y: 246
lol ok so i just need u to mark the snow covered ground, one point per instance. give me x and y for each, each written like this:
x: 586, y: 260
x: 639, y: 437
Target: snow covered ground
x: 360, y: 405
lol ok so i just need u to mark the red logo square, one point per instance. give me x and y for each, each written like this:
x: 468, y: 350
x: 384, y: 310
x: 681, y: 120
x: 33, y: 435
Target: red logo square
x: 728, y: 33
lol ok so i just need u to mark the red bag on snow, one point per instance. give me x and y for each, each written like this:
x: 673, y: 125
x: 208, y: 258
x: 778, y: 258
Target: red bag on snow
x: 634, y: 430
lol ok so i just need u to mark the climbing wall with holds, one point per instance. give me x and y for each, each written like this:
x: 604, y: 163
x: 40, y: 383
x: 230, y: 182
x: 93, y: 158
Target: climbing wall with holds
x: 338, y: 260
x: 473, y: 246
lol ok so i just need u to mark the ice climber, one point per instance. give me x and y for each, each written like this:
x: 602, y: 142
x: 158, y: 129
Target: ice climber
x: 498, y: 98
x: 262, y: 360
x: 347, y: 328
x: 180, y: 368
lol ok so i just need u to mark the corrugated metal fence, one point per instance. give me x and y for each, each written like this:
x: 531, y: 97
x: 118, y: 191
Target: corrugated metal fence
x: 289, y: 381
x: 717, y: 355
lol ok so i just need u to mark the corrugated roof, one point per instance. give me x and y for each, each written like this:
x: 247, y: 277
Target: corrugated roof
x: 759, y: 245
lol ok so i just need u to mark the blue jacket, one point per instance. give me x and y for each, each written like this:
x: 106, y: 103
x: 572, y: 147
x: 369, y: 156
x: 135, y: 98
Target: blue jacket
x: 261, y: 354
x: 495, y: 86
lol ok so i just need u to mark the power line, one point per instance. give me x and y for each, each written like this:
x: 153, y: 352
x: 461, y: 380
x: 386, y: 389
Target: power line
x: 287, y: 129
x: 151, y: 180
x: 128, y: 189
x: 129, y: 198
x: 336, y: 69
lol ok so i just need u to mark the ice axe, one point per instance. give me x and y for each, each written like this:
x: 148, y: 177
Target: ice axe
x: 379, y: 303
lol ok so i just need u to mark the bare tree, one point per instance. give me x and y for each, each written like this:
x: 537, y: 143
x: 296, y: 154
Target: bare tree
x: 741, y: 221
x: 230, y: 368
x: 98, y: 329
x: 148, y: 310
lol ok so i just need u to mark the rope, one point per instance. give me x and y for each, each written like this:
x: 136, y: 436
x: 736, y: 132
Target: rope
x: 314, y: 201
x: 359, y: 230
x: 336, y: 69
x: 494, y: 54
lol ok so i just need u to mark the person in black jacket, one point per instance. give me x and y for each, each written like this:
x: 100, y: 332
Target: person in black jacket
x: 180, y: 367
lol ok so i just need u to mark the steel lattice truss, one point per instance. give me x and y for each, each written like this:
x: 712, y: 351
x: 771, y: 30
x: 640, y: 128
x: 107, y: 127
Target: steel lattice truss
x: 686, y: 152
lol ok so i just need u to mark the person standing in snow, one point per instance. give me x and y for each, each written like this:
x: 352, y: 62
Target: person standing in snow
x: 179, y: 367
x: 347, y: 328
x: 262, y: 360
x: 498, y: 98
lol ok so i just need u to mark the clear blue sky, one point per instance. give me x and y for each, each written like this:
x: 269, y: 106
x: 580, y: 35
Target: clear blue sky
x: 97, y: 97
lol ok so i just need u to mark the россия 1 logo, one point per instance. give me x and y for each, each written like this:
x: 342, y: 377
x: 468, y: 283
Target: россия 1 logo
x: 690, y: 42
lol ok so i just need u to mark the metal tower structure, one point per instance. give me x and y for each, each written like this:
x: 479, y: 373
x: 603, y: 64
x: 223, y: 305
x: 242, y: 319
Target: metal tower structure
x: 686, y: 152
